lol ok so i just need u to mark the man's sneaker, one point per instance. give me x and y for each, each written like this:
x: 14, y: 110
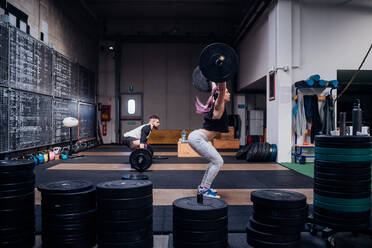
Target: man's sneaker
x: 213, y: 190
x: 208, y: 193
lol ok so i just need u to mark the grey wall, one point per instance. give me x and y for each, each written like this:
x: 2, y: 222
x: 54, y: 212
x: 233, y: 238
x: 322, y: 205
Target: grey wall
x: 162, y: 72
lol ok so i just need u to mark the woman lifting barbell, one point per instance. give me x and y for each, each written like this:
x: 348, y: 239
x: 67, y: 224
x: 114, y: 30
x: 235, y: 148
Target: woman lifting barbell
x: 215, y: 120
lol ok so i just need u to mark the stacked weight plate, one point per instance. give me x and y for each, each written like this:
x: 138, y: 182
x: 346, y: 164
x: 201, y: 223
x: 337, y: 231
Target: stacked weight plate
x: 342, y: 182
x: 68, y: 214
x: 278, y: 218
x: 125, y: 214
x: 17, y: 217
x: 201, y: 225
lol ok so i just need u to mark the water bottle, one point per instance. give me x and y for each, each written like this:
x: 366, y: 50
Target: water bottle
x: 183, y: 136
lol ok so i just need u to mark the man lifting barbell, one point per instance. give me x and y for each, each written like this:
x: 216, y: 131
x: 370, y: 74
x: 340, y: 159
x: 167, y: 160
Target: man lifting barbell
x: 218, y: 63
x: 137, y: 138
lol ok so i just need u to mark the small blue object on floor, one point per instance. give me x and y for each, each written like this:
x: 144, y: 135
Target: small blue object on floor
x: 134, y: 177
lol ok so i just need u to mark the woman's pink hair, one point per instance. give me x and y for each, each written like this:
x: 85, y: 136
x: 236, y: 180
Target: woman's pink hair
x: 205, y: 108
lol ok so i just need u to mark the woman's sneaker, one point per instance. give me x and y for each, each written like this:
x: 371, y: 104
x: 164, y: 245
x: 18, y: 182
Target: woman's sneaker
x: 208, y: 193
x: 213, y: 190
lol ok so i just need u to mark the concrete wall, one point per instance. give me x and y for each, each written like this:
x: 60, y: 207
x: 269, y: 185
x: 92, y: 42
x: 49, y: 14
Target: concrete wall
x: 162, y: 72
x: 253, y: 54
x: 67, y: 36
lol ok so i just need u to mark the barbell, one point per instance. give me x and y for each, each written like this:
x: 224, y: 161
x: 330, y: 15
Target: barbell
x: 218, y: 63
x: 140, y: 159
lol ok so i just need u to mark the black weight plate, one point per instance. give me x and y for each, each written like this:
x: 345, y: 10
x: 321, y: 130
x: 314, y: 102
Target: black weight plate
x: 242, y: 152
x: 266, y: 244
x: 214, y: 72
x: 140, y: 159
x: 343, y: 141
x: 339, y: 221
x: 68, y: 186
x: 342, y: 176
x: 15, y: 165
x: 341, y: 214
x: 124, y: 189
x: 122, y: 237
x: 281, y: 212
x: 125, y: 203
x: 337, y: 227
x: 70, y: 217
x: 190, y: 244
x: 17, y: 188
x: 339, y: 164
x: 201, y: 236
x: 343, y: 195
x: 278, y: 198
x: 344, y: 189
x: 13, y: 218
x: 126, y: 225
x: 24, y: 240
x: 255, y: 152
x: 85, y: 241
x: 9, y: 232
x: 261, y: 152
x: 343, y: 171
x: 250, y: 153
x: 189, y: 208
x: 275, y: 229
x: 69, y: 202
x: 145, y: 243
x: 279, y: 221
x: 361, y: 183
x: 126, y: 214
x: 267, y: 152
x: 275, y: 238
x: 200, y: 225
x: 69, y: 229
x: 16, y: 176
x: 17, y: 201
x: 200, y: 82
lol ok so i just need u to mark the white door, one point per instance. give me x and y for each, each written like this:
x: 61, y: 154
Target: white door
x: 131, y: 112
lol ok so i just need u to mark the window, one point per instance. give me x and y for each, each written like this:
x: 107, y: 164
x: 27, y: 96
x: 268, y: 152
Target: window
x: 131, y: 106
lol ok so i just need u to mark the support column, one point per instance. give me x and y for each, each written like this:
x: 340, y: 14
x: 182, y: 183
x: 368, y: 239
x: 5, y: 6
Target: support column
x: 279, y: 111
x: 117, y: 91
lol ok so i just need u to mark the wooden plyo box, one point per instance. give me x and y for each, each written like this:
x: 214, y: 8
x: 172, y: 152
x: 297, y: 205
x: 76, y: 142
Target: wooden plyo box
x: 184, y: 150
x: 227, y: 136
x: 226, y: 144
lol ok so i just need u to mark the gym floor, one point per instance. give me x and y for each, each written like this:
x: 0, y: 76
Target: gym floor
x: 175, y: 178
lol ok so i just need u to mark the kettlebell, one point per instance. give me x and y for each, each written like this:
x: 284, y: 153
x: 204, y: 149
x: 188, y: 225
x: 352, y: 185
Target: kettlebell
x: 46, y: 157
x: 64, y: 156
x: 51, y: 155
x: 41, y: 158
x: 56, y: 150
x: 56, y: 157
x: 35, y: 159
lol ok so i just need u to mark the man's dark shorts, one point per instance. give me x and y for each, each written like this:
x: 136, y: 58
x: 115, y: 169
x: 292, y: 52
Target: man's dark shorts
x: 128, y: 141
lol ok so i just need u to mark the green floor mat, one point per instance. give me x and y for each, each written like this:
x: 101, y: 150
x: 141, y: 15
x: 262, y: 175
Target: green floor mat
x: 306, y: 169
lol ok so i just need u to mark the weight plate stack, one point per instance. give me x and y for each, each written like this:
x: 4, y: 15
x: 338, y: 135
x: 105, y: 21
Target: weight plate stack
x: 125, y: 214
x: 200, y: 224
x: 17, y: 200
x: 68, y: 214
x: 278, y: 218
x: 342, y: 182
